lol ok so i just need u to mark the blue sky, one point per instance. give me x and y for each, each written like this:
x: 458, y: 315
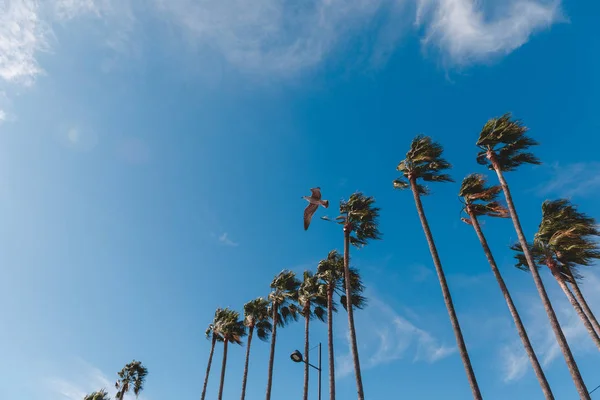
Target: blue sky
x: 153, y: 155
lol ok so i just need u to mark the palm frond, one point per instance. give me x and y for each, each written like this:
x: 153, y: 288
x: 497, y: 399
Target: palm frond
x: 360, y: 214
x: 506, y: 140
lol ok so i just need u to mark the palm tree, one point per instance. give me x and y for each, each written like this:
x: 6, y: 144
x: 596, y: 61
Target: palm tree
x: 212, y: 333
x: 359, y: 218
x: 256, y: 316
x: 230, y: 329
x: 562, y: 243
x: 284, y: 292
x: 504, y: 145
x: 132, y: 376
x: 331, y: 273
x: 312, y: 301
x: 424, y: 161
x: 481, y: 200
x: 101, y: 395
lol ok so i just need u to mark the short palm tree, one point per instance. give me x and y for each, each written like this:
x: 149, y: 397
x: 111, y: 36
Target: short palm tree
x: 231, y: 329
x: 132, y: 376
x: 331, y: 272
x: 212, y: 333
x: 480, y: 200
x: 424, y: 162
x: 504, y: 145
x: 563, y: 242
x: 101, y: 395
x: 359, y: 218
x: 282, y: 307
x: 312, y: 302
x: 256, y: 316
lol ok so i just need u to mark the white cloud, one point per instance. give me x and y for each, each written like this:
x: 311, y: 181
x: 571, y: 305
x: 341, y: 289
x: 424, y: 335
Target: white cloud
x: 271, y: 36
x: 84, y: 379
x: 2, y: 116
x: 572, y: 180
x: 514, y: 361
x: 224, y: 238
x: 385, y: 336
x: 466, y: 33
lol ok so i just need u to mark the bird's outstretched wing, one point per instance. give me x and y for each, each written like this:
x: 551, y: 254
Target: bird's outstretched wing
x: 308, y: 214
x: 316, y: 193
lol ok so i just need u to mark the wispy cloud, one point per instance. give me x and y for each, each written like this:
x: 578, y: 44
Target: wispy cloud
x: 386, y: 336
x: 466, y: 32
x: 2, y: 116
x: 572, y: 180
x: 514, y: 361
x: 84, y: 379
x: 421, y: 273
x: 224, y: 239
x: 270, y: 36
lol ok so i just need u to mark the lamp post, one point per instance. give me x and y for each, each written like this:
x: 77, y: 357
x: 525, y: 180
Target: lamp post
x: 296, y: 356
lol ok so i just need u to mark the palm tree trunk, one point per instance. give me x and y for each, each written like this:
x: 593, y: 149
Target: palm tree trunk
x: 351, y: 328
x: 223, y: 368
x: 330, y: 288
x: 306, y: 350
x: 560, y: 336
x: 583, y: 303
x: 462, y: 348
x: 272, y: 355
x: 250, y: 332
x: 210, y: 356
x: 586, y: 322
x: 513, y: 310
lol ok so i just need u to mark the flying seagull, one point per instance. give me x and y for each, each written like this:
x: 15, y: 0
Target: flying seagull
x: 313, y: 203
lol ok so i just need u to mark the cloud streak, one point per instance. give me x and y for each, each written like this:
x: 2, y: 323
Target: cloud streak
x: 271, y: 36
x: 572, y: 180
x: 386, y: 336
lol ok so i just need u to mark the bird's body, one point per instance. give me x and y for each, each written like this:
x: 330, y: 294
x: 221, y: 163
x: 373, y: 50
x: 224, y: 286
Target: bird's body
x: 314, y: 201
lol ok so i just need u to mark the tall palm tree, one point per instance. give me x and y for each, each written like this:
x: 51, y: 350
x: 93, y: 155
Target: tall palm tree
x: 132, y: 376
x: 563, y: 242
x: 481, y: 200
x: 212, y: 333
x: 256, y: 316
x: 504, y: 145
x: 282, y: 307
x: 359, y: 218
x: 312, y: 302
x: 331, y: 272
x: 231, y: 329
x: 101, y: 395
x: 424, y: 162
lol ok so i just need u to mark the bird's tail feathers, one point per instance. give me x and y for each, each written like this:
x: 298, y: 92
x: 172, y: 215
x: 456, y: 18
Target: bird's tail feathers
x: 325, y: 203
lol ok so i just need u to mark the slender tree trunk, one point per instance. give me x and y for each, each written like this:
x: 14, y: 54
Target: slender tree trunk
x: 272, y: 355
x: 513, y: 310
x: 330, y: 288
x: 351, y: 328
x: 223, y: 368
x: 210, y: 356
x: 583, y: 303
x: 586, y: 322
x: 250, y: 332
x: 462, y: 348
x: 560, y: 336
x: 306, y: 350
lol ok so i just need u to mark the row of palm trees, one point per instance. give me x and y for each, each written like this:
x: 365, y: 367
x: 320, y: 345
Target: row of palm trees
x: 131, y: 378
x: 565, y: 241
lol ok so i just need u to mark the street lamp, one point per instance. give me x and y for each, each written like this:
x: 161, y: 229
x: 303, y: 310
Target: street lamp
x: 297, y: 357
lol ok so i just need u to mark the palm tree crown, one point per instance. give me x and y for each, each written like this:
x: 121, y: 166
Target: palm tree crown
x: 360, y: 217
x: 423, y: 161
x: 256, y: 316
x: 101, y: 395
x: 312, y: 297
x: 229, y: 326
x: 284, y: 294
x: 481, y: 199
x: 565, y: 238
x: 503, y: 141
x: 331, y: 272
x: 132, y: 376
